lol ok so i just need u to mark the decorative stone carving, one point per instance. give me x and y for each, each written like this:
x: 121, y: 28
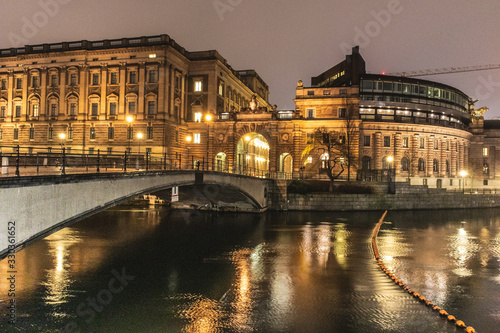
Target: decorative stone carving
x: 254, y: 103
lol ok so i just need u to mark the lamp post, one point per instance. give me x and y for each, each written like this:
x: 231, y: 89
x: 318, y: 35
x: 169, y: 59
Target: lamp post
x: 62, y: 136
x: 392, y: 189
x: 463, y: 174
x: 208, y: 118
x: 139, y: 137
x: 188, y: 139
x: 129, y: 119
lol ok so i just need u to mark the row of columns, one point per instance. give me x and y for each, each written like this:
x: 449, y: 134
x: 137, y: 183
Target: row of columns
x: 456, y: 156
x: 165, y: 81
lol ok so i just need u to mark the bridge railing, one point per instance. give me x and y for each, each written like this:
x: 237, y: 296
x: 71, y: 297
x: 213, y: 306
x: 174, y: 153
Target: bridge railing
x: 32, y: 161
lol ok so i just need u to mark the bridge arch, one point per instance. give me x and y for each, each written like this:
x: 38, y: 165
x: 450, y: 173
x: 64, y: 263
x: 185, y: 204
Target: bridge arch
x: 51, y: 203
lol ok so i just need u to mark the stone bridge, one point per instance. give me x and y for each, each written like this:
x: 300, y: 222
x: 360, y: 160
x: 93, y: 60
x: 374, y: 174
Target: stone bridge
x: 44, y: 204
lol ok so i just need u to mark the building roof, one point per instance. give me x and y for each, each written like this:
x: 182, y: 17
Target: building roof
x: 492, y: 124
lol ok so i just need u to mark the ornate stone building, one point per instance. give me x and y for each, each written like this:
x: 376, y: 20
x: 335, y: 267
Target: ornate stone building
x: 193, y: 107
x: 101, y: 94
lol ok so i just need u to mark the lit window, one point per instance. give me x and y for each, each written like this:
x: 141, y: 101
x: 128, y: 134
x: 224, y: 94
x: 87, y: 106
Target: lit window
x: 485, y: 151
x: 221, y: 89
x: 197, y: 117
x: 310, y: 113
x: 309, y: 159
x: 405, y: 142
x: 197, y: 86
x: 152, y: 55
x: 35, y: 110
x: 197, y: 138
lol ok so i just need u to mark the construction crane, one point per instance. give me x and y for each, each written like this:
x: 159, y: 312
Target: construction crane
x: 449, y: 70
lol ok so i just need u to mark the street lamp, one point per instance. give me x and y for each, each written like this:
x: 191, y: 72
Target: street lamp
x: 208, y: 118
x: 188, y: 139
x: 129, y: 119
x: 463, y: 174
x: 139, y: 137
x: 62, y: 136
x: 392, y: 188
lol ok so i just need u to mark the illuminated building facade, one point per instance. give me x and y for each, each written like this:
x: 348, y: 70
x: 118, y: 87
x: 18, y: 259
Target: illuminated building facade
x: 110, y: 95
x: 116, y: 95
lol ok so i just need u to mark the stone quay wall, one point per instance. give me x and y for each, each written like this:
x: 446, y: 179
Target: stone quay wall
x: 400, y: 201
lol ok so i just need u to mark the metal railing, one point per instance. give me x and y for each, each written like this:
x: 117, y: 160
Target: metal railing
x: 21, y: 161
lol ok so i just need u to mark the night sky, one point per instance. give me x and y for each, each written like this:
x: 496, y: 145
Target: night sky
x: 288, y: 40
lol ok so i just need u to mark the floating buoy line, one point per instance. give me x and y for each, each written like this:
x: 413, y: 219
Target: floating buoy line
x: 401, y: 284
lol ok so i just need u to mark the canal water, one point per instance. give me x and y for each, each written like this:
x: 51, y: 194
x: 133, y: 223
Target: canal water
x: 132, y: 269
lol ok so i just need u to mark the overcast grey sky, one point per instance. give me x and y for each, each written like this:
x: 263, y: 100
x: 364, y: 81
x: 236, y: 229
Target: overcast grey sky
x: 288, y: 40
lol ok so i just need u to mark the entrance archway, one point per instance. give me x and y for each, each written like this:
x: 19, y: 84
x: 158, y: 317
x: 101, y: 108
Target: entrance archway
x: 286, y: 164
x: 253, y: 155
x: 220, y: 162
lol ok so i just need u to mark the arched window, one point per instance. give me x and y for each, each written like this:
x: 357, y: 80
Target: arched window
x: 365, y: 163
x: 220, y: 162
x: 421, y: 164
x: 405, y: 164
x: 72, y: 105
x: 34, y: 107
x: 435, y: 165
x: 447, y: 166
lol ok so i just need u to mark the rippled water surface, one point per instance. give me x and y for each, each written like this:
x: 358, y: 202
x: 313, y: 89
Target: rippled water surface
x: 147, y: 270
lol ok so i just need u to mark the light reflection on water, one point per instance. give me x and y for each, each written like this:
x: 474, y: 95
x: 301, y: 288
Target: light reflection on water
x: 295, y: 272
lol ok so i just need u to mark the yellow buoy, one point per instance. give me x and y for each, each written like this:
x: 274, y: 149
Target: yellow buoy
x: 470, y: 329
x: 460, y: 323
